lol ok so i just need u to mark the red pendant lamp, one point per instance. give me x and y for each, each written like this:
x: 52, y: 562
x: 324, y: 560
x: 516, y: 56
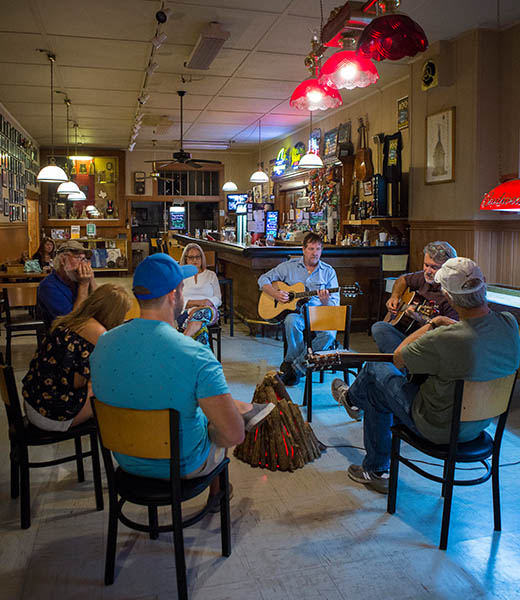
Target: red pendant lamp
x: 391, y: 36
x: 310, y: 94
x: 505, y: 196
x: 346, y: 69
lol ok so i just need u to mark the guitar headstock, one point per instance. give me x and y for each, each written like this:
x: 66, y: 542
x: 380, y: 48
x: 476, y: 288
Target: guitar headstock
x: 351, y: 291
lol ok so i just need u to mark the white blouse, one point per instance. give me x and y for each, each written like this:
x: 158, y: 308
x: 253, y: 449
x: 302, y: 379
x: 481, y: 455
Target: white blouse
x: 207, y: 286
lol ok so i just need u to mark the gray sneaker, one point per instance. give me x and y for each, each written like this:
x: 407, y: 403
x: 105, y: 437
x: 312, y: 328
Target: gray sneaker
x: 256, y: 415
x: 379, y: 483
x: 339, y: 391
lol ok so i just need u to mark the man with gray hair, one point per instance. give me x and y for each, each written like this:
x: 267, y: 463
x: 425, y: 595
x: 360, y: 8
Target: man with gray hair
x: 69, y: 283
x: 386, y: 336
x: 482, y: 345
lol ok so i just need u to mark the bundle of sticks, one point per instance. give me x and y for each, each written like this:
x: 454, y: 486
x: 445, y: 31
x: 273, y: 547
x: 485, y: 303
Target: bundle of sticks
x: 284, y: 441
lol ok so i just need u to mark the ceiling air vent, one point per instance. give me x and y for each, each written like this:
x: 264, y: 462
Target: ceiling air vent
x: 207, y: 47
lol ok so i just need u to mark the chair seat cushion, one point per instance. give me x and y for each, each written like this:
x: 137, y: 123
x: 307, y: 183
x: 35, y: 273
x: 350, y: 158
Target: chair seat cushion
x: 24, y: 324
x: 478, y: 449
x: 39, y: 437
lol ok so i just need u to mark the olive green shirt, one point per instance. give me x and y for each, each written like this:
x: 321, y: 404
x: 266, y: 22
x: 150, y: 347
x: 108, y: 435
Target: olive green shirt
x: 475, y: 349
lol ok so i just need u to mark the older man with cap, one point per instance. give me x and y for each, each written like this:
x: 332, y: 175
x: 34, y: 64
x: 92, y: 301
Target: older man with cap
x: 69, y: 283
x: 147, y: 364
x: 482, y: 345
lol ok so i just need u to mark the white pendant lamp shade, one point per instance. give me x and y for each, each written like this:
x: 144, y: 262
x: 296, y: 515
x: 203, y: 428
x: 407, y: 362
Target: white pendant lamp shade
x: 52, y: 174
x: 230, y: 186
x: 69, y: 187
x: 310, y: 161
x: 259, y: 177
x: 77, y: 196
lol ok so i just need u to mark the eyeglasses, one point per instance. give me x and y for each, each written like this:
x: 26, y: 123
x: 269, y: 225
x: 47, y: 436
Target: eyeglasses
x: 81, y: 257
x: 193, y: 256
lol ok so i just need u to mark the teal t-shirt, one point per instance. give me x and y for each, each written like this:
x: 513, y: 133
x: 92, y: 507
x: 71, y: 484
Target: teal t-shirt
x: 145, y: 364
x: 476, y: 349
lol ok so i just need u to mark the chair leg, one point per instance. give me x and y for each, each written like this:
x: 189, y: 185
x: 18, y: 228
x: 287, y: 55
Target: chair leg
x: 180, y: 559
x: 231, y: 311
x: 153, y: 522
x: 444, y: 475
x: 96, y: 471
x: 219, y: 345
x: 496, y: 494
x: 8, y: 348
x: 225, y: 517
x: 394, y: 474
x: 322, y: 376
x: 308, y: 395
x: 79, y: 459
x: 15, y: 473
x: 110, y: 560
x: 25, y: 491
x: 448, y: 495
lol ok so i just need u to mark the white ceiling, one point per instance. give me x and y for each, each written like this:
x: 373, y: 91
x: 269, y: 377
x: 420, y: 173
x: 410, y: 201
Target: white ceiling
x: 103, y: 48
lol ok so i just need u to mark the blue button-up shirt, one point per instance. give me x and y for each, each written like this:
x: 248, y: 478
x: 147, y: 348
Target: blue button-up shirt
x: 294, y: 271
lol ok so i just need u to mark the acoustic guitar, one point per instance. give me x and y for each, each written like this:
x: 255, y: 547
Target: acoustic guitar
x: 270, y: 309
x: 363, y: 166
x: 413, y: 312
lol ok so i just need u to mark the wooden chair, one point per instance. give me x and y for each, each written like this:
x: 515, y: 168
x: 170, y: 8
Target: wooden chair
x: 473, y: 401
x: 21, y: 325
x: 391, y: 266
x: 134, y: 311
x: 23, y: 435
x: 323, y: 318
x: 127, y: 431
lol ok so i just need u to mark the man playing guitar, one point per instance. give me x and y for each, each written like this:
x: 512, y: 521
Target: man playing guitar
x: 316, y: 275
x: 388, y: 337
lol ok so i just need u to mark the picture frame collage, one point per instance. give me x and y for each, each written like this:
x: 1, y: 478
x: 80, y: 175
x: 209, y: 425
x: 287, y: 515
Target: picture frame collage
x: 18, y: 168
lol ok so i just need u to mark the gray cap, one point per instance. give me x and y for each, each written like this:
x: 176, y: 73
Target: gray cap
x: 74, y: 246
x: 460, y: 276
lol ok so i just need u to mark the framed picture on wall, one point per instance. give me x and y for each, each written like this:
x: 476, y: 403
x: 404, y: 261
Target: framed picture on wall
x: 24, y: 213
x: 6, y: 207
x: 402, y: 113
x: 440, y: 147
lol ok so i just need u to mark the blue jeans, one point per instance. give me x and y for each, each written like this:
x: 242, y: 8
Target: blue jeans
x: 296, y: 351
x: 386, y: 336
x: 382, y: 391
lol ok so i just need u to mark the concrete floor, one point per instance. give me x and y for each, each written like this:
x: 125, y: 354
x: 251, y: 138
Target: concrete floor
x: 313, y: 534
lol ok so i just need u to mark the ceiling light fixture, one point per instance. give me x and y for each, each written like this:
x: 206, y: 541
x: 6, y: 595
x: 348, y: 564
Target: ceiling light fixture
x: 143, y: 98
x: 67, y: 187
x: 311, y: 94
x: 151, y: 68
x: 159, y: 40
x: 346, y: 70
x: 77, y: 196
x: 503, y: 197
x: 205, y: 145
x: 209, y: 44
x: 52, y: 173
x: 230, y: 186
x: 163, y: 15
x: 259, y: 176
x: 391, y: 36
x: 131, y: 147
x: 310, y: 160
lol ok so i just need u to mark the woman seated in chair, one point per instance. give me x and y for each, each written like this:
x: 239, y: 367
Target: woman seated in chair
x: 45, y: 254
x: 202, y: 296
x: 56, y: 389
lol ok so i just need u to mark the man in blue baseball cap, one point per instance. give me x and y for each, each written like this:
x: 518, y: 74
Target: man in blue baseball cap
x: 147, y: 364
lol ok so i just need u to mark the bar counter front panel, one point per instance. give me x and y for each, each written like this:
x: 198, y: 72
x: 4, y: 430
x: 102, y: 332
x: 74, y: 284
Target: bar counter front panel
x: 245, y: 265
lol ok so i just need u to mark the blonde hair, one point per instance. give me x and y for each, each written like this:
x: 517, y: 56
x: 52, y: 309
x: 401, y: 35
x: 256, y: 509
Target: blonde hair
x: 108, y: 304
x: 193, y: 246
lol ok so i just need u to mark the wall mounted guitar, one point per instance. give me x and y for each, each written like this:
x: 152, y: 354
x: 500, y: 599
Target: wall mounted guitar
x: 270, y: 309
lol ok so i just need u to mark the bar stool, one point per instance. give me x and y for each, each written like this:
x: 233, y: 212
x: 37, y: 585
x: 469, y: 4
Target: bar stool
x: 226, y: 310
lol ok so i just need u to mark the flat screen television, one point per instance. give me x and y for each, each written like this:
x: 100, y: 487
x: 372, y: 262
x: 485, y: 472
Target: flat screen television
x: 233, y: 200
x: 177, y: 218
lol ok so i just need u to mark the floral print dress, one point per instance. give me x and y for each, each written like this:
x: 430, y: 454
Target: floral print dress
x: 49, y: 384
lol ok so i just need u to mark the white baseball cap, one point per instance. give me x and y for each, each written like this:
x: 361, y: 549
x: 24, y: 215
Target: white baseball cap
x: 460, y: 276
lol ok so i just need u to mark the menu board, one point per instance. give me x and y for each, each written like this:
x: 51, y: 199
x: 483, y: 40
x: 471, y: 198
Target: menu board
x: 330, y: 143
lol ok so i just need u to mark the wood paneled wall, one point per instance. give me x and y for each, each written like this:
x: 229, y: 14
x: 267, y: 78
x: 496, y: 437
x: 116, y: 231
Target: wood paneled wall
x: 13, y: 241
x: 494, y: 245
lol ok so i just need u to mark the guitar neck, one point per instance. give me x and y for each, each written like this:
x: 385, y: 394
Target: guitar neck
x: 309, y: 294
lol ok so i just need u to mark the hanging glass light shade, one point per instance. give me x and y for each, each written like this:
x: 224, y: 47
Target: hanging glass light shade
x: 310, y: 160
x: 391, y: 36
x: 347, y: 70
x: 311, y: 95
x: 505, y: 196
x: 68, y: 187
x: 77, y: 196
x: 229, y: 186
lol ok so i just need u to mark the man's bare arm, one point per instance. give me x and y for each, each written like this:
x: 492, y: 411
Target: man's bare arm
x: 226, y: 425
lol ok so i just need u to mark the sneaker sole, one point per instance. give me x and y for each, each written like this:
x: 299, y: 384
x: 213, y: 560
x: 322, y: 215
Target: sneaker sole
x: 261, y: 416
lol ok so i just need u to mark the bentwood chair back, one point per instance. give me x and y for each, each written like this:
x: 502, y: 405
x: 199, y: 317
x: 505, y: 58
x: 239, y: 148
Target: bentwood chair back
x: 324, y: 318
x: 127, y: 431
x: 23, y: 435
x: 473, y: 401
x: 16, y: 297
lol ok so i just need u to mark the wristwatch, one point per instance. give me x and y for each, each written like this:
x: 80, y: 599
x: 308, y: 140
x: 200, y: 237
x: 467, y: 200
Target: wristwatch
x: 433, y: 324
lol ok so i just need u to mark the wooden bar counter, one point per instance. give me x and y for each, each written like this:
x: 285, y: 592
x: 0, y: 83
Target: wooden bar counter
x: 245, y: 264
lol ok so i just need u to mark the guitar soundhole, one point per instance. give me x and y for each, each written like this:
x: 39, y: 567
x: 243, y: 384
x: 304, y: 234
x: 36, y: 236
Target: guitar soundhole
x: 291, y: 296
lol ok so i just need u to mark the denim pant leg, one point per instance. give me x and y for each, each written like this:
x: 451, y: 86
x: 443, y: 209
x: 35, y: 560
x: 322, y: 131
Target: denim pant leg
x: 386, y: 336
x: 294, y: 327
x: 382, y: 391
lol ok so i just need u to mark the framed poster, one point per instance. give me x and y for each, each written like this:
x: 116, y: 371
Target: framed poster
x: 440, y: 147
x: 330, y: 143
x: 402, y: 113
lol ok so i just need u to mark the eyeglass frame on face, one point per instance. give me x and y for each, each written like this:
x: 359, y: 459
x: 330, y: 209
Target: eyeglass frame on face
x: 79, y: 255
x: 193, y: 257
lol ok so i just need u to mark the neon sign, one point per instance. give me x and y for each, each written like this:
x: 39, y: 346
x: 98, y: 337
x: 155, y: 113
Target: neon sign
x: 281, y: 162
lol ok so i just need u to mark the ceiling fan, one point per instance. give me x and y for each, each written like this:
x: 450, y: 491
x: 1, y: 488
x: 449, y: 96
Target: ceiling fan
x: 183, y: 157
x: 157, y: 164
